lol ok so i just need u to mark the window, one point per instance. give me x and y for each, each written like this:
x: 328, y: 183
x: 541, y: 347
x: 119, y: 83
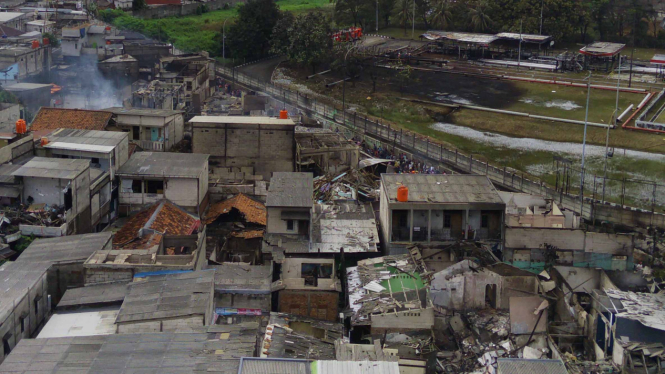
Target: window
x: 5, y: 344
x: 22, y: 319
x: 95, y: 160
x: 37, y: 307
x: 136, y: 186
x: 154, y: 187
x: 446, y: 221
x: 484, y: 221
x: 76, y: 46
x: 189, y: 85
x: 136, y: 133
x: 290, y: 225
x: 312, y: 273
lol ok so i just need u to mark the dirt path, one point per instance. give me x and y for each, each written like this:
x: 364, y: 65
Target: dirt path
x: 262, y: 70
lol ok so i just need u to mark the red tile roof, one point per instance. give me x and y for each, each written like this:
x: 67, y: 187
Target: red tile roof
x: 163, y: 217
x: 252, y: 210
x: 59, y: 118
x: 247, y: 234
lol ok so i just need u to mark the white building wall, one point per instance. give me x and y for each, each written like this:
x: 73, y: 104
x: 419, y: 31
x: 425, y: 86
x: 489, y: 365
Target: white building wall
x: 182, y: 191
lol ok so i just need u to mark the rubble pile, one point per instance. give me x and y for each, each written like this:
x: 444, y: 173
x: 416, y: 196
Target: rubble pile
x: 35, y: 214
x: 351, y: 185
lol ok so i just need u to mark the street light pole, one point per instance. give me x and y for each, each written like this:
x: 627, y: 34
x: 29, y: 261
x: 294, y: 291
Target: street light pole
x: 413, y: 30
x: 224, y: 40
x: 519, y: 48
x: 344, y: 87
x: 607, y: 137
x: 586, y: 122
x: 542, y: 4
x: 377, y: 15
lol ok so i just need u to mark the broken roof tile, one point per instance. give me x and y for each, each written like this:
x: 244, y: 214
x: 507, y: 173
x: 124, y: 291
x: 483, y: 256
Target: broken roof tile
x: 163, y: 217
x: 252, y: 210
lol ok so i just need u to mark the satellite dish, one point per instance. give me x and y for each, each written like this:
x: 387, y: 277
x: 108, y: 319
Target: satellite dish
x: 551, y: 43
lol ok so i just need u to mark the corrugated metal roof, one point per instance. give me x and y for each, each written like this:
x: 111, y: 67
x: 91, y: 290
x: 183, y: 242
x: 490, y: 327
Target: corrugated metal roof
x: 256, y: 365
x: 81, y: 147
x: 245, y: 120
x: 529, y: 38
x: 168, y: 296
x: 357, y: 367
x: 441, y: 188
x: 95, y: 294
x: 524, y: 366
x: 602, y: 49
x: 66, y: 248
x: 291, y: 190
x: 184, y: 165
x: 60, y: 168
x: 460, y: 37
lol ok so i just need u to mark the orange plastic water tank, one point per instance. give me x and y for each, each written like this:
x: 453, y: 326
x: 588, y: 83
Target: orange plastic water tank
x: 35, y: 44
x: 45, y: 41
x: 44, y: 141
x: 283, y: 114
x: 402, y: 194
x: 21, y: 127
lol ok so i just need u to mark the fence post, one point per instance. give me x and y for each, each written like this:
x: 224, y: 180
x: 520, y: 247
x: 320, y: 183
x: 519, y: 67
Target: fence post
x: 653, y: 201
x: 365, y: 124
x: 427, y: 149
x: 456, y: 153
x: 440, y: 152
x: 487, y: 168
x: 471, y: 163
x: 504, y: 175
x: 414, y: 141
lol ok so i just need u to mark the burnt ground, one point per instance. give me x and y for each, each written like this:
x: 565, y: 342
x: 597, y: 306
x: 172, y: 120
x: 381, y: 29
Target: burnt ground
x: 461, y: 89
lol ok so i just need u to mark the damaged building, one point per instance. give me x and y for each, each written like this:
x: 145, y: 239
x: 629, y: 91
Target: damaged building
x: 235, y: 230
x: 324, y: 151
x: 154, y: 130
x: 289, y: 336
x: 194, y: 72
x: 390, y: 294
x: 242, y: 292
x: 161, y: 237
x: 439, y: 208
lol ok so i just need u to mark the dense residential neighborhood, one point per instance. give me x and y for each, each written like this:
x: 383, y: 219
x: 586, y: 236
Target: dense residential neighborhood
x: 393, y: 187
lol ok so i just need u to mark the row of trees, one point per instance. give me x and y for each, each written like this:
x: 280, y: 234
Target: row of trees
x: 565, y: 20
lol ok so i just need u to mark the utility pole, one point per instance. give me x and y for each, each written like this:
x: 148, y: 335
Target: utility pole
x: 632, y: 53
x: 542, y: 4
x: 224, y: 40
x: 413, y: 30
x: 519, y: 49
x: 607, y: 137
x: 586, y: 122
x: 377, y: 15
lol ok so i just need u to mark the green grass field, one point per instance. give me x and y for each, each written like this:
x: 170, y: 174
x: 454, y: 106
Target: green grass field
x: 570, y: 102
x: 203, y: 32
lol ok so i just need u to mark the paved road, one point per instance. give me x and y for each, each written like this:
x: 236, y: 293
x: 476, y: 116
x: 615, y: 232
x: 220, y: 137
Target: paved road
x: 262, y: 70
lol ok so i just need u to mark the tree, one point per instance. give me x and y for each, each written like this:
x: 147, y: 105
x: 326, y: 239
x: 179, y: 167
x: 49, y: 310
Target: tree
x: 281, y: 34
x: 249, y: 37
x: 139, y: 5
x: 441, y: 15
x: 404, y: 76
x: 403, y: 12
x: 352, y: 11
x: 52, y: 39
x: 308, y: 41
x: 479, y: 17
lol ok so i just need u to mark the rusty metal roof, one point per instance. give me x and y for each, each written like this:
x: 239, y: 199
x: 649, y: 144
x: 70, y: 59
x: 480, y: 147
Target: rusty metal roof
x: 252, y: 210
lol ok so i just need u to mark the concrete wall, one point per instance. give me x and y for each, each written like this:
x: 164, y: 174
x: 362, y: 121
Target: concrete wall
x: 10, y: 114
x: 30, y: 63
x: 277, y: 225
x: 320, y: 305
x: 45, y: 190
x: 292, y: 274
x: 107, y: 275
x: 266, y: 148
x: 14, y: 150
x: 422, y: 319
x: 569, y: 239
x: 25, y: 307
x: 183, y: 192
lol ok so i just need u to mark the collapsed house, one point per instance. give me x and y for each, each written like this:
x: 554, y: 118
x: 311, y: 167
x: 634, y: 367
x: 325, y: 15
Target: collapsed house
x: 534, y: 249
x: 290, y: 336
x: 390, y: 293
x: 161, y: 237
x: 468, y: 285
x: 158, y: 95
x: 194, y: 71
x: 526, y: 210
x: 324, y: 151
x: 235, y: 230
